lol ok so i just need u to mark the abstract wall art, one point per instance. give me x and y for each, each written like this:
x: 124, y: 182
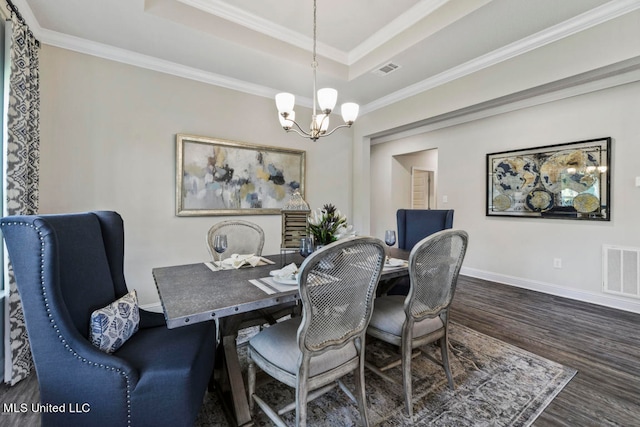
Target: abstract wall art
x: 567, y: 181
x: 220, y: 177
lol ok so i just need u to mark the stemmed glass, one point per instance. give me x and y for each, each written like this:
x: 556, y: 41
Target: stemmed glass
x: 306, y: 246
x: 390, y: 240
x: 220, y: 245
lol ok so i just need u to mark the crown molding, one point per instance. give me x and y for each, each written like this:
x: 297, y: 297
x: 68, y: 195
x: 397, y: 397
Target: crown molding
x: 579, y: 23
x: 394, y: 28
x: 607, y: 77
x: 255, y: 23
x: 149, y: 62
x: 128, y: 57
x: 567, y: 28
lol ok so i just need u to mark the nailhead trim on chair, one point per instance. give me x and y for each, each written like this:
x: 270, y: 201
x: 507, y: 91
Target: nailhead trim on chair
x: 52, y: 320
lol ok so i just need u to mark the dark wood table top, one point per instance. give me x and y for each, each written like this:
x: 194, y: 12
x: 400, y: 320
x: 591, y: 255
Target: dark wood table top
x: 194, y: 293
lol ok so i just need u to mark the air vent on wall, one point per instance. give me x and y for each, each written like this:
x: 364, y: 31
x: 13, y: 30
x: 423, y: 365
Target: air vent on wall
x: 621, y: 270
x: 386, y: 69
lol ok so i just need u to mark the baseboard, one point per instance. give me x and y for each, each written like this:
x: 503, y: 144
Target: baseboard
x: 548, y: 288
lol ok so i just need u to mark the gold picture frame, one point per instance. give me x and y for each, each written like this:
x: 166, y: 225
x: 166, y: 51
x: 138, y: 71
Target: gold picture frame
x: 221, y: 177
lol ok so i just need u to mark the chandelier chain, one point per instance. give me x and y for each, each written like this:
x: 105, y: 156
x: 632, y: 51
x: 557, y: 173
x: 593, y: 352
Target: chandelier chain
x: 314, y: 64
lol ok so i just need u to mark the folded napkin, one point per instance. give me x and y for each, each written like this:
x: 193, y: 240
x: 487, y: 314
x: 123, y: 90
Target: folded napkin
x: 237, y: 261
x: 287, y: 272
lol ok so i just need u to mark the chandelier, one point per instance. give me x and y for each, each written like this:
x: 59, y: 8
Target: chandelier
x: 324, y: 98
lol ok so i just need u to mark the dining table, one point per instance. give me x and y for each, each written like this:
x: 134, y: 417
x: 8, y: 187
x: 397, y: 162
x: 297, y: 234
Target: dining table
x: 202, y: 292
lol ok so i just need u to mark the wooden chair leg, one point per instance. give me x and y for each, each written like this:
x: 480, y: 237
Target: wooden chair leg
x: 444, y: 350
x: 301, y: 405
x: 251, y: 383
x: 406, y: 380
x: 360, y: 393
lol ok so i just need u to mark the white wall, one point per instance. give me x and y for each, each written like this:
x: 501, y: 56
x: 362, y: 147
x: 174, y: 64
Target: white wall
x: 520, y: 251
x: 108, y: 142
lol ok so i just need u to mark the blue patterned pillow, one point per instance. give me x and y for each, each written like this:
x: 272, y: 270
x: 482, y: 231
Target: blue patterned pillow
x: 114, y: 324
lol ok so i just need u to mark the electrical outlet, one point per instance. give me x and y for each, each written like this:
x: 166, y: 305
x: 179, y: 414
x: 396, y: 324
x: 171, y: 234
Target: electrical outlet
x: 557, y: 263
x: 445, y: 199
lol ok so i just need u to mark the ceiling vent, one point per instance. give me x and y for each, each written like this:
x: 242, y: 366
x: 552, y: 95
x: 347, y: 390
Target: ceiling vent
x: 386, y: 69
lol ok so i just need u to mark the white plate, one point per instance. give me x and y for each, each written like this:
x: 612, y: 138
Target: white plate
x: 394, y: 262
x: 285, y: 281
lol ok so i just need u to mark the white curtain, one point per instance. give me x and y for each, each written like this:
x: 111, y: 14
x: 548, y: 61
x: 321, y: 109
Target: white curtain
x: 22, y: 162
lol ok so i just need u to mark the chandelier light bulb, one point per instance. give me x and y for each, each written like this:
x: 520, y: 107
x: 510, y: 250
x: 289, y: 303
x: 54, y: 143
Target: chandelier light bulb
x: 327, y: 99
x: 324, y: 122
x: 287, y: 123
x: 285, y: 102
x: 320, y: 124
x: 349, y: 112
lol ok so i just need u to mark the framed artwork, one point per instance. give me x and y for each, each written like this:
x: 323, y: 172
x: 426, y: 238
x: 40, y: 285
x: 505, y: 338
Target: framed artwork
x: 220, y: 177
x: 570, y: 181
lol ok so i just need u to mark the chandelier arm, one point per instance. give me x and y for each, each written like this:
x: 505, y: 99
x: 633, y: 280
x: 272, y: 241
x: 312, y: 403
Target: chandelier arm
x: 299, y: 131
x: 335, y: 129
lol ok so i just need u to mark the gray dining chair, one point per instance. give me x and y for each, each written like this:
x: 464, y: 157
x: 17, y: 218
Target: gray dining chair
x: 337, y: 286
x: 422, y: 317
x: 243, y: 237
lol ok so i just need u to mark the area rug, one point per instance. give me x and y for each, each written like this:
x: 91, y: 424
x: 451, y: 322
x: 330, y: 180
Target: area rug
x: 497, y: 384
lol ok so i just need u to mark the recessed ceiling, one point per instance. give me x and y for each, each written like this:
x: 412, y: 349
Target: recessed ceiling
x: 264, y: 47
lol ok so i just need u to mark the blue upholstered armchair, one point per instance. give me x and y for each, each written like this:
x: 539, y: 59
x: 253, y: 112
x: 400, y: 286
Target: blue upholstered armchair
x: 416, y: 224
x: 413, y: 226
x: 67, y: 266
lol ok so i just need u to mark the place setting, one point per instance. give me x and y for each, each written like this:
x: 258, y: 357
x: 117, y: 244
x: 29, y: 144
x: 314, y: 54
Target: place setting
x: 234, y: 261
x: 392, y: 263
x: 286, y: 278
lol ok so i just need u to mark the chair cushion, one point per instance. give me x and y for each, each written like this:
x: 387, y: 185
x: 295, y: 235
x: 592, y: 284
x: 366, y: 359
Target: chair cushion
x: 114, y: 324
x: 279, y: 344
x: 388, y: 316
x: 174, y: 367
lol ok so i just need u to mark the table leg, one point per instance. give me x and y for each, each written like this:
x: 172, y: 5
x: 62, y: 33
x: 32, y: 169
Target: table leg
x: 230, y: 381
x: 236, y: 382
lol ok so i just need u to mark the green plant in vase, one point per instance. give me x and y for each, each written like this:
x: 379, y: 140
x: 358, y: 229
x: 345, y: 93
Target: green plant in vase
x: 327, y: 225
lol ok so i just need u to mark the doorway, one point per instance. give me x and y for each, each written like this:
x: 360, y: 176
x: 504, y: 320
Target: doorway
x: 391, y: 168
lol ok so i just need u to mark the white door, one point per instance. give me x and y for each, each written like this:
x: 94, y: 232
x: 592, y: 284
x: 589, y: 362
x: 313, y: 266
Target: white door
x: 422, y: 189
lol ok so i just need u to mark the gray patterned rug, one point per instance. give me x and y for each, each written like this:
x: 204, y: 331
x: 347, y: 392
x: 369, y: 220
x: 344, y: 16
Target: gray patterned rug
x: 497, y: 384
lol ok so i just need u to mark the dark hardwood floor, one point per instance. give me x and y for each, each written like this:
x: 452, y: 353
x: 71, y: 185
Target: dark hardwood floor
x: 603, y: 344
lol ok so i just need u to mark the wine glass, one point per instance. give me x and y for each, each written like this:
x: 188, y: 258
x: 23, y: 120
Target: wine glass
x: 390, y: 237
x: 306, y: 246
x: 390, y: 240
x: 220, y: 245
